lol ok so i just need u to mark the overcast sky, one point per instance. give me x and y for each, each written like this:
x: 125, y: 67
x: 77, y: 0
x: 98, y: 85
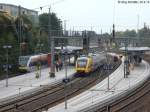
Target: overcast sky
x: 93, y: 14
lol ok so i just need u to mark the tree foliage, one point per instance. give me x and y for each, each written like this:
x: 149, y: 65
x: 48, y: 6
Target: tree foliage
x: 55, y: 28
x: 8, y: 36
x: 55, y: 24
x: 24, y: 37
x: 144, y: 32
x: 127, y: 33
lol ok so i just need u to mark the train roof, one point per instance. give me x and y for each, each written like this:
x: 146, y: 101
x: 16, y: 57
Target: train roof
x: 33, y: 56
x: 89, y: 55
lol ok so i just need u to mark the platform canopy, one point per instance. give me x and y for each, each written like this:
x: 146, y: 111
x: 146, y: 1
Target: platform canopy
x: 69, y: 49
x: 135, y: 49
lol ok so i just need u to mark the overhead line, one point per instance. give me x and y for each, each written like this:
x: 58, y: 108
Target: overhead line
x: 56, y: 2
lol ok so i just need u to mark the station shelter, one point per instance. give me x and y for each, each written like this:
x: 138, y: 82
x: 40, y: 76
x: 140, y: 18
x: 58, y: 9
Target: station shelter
x: 68, y: 52
x: 134, y: 55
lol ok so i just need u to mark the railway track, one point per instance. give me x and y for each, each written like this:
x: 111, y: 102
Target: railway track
x: 137, y: 100
x: 52, y: 95
x: 130, y: 103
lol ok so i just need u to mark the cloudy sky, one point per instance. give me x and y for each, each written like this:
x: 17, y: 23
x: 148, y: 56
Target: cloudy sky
x: 93, y: 14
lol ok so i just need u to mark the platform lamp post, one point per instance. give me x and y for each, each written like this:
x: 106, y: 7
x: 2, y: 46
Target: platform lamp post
x: 7, y: 66
x: 66, y: 55
x: 126, y: 62
x: 107, y: 67
x: 66, y: 79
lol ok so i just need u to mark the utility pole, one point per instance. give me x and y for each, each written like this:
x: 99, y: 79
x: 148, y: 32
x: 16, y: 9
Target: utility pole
x: 113, y: 33
x: 66, y: 79
x: 126, y: 62
x: 65, y: 25
x: 51, y: 38
x: 107, y: 65
x: 139, y: 44
x: 41, y: 9
x: 85, y: 37
x: 125, y: 70
x: 40, y: 45
x: 19, y: 28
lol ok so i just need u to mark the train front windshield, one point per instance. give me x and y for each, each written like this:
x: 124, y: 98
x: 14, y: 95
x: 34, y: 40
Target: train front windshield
x: 82, y: 63
x: 23, y: 60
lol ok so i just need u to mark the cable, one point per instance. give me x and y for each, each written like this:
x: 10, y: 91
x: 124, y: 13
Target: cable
x: 54, y: 3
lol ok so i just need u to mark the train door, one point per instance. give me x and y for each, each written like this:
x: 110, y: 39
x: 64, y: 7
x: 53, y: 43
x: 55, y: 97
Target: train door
x: 49, y: 59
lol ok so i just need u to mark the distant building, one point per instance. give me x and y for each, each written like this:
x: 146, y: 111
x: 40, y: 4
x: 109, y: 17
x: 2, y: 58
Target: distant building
x: 14, y: 11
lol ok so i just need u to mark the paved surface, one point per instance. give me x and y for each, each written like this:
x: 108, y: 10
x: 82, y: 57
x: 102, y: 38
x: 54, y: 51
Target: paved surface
x: 19, y: 84
x: 100, y: 93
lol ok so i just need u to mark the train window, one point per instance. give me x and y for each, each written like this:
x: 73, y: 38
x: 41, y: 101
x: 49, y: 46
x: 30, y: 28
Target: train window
x: 23, y: 60
x: 33, y: 64
x: 115, y: 58
x: 82, y: 63
x: 1, y: 7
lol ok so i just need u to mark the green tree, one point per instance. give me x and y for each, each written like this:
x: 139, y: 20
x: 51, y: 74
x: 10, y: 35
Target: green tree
x: 119, y: 34
x: 144, y: 32
x: 55, y: 25
x: 129, y: 33
x: 7, y: 37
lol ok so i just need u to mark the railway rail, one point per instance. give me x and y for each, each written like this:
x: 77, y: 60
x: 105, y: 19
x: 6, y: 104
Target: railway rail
x: 52, y: 95
x: 136, y: 100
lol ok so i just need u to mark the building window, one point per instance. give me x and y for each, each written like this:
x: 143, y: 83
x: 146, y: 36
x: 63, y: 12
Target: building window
x: 1, y: 7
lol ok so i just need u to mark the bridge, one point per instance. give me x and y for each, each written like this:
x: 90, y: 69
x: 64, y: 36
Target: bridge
x: 75, y: 38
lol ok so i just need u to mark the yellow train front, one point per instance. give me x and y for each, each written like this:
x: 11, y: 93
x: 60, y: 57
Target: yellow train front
x: 83, y: 64
x: 88, y: 64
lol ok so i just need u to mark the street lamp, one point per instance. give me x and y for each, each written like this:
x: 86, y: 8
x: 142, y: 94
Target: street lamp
x: 7, y: 66
x: 66, y: 63
x: 126, y: 62
x: 66, y: 80
x: 107, y: 67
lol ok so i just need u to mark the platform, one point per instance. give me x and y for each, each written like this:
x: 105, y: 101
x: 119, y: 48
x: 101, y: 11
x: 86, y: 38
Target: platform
x: 18, y: 85
x: 100, y: 93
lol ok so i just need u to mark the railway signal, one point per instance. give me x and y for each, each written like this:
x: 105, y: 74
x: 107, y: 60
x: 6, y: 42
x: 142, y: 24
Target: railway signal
x: 85, y: 41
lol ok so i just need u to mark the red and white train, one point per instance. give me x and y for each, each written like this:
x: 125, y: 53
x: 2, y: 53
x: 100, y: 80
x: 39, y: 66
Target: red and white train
x: 30, y: 63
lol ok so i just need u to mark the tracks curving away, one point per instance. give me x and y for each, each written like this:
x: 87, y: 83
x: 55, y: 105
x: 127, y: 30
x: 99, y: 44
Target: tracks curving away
x: 137, y: 100
x: 52, y: 95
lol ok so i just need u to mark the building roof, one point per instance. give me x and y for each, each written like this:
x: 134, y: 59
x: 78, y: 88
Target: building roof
x: 69, y: 49
x: 135, y: 48
x: 11, y: 5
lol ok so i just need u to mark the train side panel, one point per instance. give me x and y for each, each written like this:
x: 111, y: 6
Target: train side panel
x: 30, y: 63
